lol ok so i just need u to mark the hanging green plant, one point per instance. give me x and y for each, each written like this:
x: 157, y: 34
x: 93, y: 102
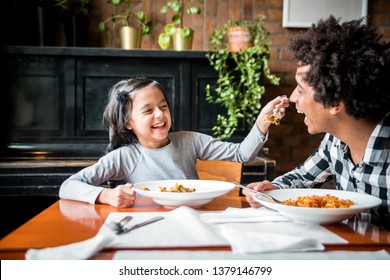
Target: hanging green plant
x: 239, y: 87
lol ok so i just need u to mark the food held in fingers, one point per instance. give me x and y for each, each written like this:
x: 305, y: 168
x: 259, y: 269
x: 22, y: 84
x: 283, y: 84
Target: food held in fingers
x: 273, y: 119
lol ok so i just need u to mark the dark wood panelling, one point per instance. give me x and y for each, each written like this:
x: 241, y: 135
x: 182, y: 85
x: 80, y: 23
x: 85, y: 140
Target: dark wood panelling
x: 58, y: 94
x: 36, y: 92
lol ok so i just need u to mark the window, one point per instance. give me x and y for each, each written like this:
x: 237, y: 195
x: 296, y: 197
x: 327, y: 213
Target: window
x: 302, y: 13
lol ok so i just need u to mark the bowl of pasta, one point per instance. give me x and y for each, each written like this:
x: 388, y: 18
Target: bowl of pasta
x: 319, y: 206
x: 175, y: 193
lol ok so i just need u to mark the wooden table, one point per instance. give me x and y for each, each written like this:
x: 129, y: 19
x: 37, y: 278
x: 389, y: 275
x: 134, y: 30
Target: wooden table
x: 69, y: 221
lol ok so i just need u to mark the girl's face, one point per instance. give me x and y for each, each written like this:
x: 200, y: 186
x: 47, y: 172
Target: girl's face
x: 150, y: 118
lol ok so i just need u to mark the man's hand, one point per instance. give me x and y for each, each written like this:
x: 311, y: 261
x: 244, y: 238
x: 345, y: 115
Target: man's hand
x: 258, y: 186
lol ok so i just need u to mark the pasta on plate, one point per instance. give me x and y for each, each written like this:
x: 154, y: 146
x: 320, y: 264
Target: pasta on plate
x: 176, y: 188
x: 319, y: 201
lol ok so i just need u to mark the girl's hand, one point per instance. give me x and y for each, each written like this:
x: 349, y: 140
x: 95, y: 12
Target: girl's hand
x: 122, y: 196
x: 258, y: 186
x: 279, y: 104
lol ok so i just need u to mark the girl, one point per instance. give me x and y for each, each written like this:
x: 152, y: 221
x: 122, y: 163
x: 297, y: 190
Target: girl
x: 143, y: 148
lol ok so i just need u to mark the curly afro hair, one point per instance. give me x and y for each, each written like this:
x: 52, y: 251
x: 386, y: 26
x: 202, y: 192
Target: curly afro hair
x: 349, y: 62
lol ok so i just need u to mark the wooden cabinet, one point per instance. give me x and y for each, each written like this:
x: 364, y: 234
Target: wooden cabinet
x: 57, y: 95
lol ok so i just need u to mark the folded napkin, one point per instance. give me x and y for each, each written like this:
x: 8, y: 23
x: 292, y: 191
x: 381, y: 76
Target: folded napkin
x: 244, y: 241
x: 226, y: 255
x: 243, y: 215
x: 181, y: 227
x: 75, y: 251
x: 260, y: 230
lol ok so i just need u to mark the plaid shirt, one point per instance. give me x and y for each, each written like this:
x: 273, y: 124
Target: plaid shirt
x: 332, y: 161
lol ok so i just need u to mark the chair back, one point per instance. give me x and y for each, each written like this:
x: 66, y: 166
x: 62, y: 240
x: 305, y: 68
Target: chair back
x: 219, y: 170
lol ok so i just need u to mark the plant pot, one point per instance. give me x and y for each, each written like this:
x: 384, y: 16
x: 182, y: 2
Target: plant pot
x: 130, y: 37
x: 239, y: 39
x: 76, y: 30
x: 181, y: 43
x: 47, y: 26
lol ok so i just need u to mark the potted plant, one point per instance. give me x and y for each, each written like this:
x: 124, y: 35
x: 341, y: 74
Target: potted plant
x: 181, y: 35
x: 133, y: 24
x: 74, y: 14
x: 37, y: 22
x: 239, y: 87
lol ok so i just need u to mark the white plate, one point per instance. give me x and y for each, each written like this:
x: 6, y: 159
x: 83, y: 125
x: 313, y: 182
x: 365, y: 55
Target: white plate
x: 205, y: 191
x: 362, y: 202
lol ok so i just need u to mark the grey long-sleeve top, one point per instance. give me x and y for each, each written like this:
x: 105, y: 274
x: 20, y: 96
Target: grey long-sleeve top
x: 177, y: 160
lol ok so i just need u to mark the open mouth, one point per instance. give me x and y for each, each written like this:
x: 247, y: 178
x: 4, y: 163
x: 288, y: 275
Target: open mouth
x: 159, y: 125
x: 301, y: 112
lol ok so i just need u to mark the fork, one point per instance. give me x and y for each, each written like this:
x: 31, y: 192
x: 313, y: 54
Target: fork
x: 276, y: 116
x: 119, y: 226
x: 270, y: 197
x: 152, y: 220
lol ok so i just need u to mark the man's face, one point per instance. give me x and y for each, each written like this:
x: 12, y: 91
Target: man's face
x: 317, y: 118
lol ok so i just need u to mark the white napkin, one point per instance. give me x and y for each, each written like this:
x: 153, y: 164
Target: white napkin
x: 244, y: 241
x: 226, y: 255
x: 260, y: 230
x: 243, y: 215
x: 75, y: 251
x: 181, y: 227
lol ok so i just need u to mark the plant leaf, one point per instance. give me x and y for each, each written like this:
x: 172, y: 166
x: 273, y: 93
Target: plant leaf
x: 186, y: 32
x: 164, y: 41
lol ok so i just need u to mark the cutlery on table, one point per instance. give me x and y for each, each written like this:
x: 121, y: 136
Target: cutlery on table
x: 119, y: 226
x: 273, y: 199
x: 130, y: 228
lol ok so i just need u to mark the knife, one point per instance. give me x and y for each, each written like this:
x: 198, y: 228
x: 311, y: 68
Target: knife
x: 152, y: 220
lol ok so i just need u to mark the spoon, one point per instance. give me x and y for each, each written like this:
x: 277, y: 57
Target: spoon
x: 119, y: 226
x: 273, y: 199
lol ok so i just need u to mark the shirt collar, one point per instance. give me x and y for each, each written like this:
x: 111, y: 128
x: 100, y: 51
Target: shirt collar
x: 378, y: 144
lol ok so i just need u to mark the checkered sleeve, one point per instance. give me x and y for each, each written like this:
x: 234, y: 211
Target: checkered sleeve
x: 312, y: 173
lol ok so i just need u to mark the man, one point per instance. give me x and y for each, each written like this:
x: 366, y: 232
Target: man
x: 343, y: 90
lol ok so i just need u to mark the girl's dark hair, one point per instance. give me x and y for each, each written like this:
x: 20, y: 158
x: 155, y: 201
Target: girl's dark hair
x: 349, y: 62
x: 117, y: 112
